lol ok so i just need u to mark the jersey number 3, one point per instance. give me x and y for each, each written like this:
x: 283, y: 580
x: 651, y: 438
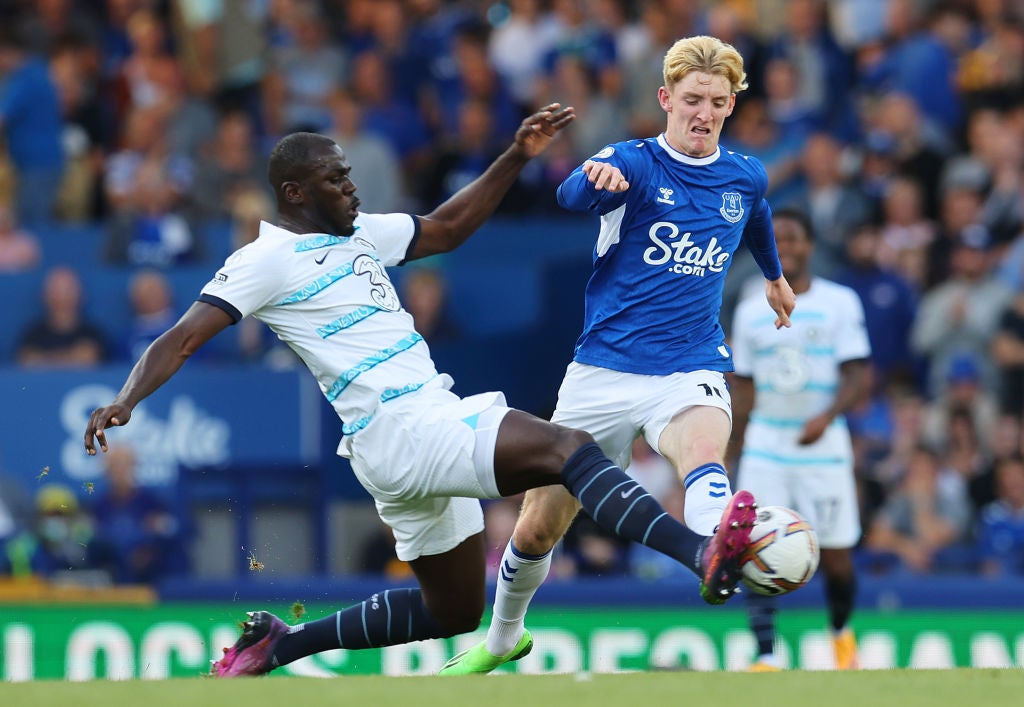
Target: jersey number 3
x: 382, y: 292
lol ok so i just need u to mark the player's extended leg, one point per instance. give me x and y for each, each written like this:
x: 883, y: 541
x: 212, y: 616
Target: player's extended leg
x: 695, y: 441
x: 449, y: 601
x: 840, y: 592
x: 531, y: 452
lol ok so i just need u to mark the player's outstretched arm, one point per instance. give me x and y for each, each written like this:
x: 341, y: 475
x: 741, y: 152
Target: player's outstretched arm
x: 782, y: 300
x: 450, y: 224
x: 161, y: 360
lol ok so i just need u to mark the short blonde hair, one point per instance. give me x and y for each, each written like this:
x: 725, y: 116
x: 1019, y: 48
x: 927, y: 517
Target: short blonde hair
x: 708, y: 55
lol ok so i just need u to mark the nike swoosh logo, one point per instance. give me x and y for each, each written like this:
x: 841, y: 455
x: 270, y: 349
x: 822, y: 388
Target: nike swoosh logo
x: 320, y: 260
x: 627, y: 494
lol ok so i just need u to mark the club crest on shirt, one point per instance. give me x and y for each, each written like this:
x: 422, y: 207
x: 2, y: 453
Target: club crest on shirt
x: 732, y: 206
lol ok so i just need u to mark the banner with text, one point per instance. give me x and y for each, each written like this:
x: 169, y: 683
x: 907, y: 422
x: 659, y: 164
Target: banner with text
x: 203, y: 417
x: 171, y: 640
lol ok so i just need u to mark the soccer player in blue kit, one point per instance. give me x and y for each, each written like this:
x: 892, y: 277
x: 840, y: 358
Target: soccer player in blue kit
x: 652, y: 356
x: 317, y: 278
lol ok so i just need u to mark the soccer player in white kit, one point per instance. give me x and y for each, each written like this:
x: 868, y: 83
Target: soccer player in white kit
x: 317, y: 278
x: 652, y: 356
x: 790, y: 391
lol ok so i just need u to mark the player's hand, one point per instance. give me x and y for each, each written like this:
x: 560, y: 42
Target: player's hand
x: 101, y: 419
x: 536, y: 132
x: 782, y: 300
x: 605, y: 176
x: 814, y: 429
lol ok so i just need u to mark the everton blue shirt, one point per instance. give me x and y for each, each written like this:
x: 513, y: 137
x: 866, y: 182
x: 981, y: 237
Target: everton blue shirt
x: 662, y: 254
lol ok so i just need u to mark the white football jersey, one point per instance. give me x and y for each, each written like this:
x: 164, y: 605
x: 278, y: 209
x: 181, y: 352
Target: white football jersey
x: 796, y: 369
x: 331, y: 300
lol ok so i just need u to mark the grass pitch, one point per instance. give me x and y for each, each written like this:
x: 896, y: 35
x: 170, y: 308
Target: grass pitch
x: 900, y: 688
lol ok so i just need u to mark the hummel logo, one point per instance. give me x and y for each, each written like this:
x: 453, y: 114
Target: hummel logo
x: 627, y: 494
x: 321, y: 259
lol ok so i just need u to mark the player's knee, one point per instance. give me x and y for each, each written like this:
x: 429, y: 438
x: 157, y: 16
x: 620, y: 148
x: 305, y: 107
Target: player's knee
x: 569, y: 442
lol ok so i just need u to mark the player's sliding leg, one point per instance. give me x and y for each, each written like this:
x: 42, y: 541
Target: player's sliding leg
x: 450, y: 601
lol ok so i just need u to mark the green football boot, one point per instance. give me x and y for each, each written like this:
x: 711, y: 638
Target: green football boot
x: 478, y: 660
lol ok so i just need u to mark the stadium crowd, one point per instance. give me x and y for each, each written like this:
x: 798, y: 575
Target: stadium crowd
x: 897, y: 125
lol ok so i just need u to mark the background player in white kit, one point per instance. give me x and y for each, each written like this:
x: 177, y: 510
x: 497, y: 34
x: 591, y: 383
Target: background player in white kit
x: 790, y: 391
x: 652, y: 355
x: 317, y: 279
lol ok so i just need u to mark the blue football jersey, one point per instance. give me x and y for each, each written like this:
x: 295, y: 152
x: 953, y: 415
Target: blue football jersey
x: 662, y: 254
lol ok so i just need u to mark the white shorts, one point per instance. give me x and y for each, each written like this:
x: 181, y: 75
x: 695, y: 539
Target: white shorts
x: 615, y: 407
x: 817, y: 481
x: 426, y: 458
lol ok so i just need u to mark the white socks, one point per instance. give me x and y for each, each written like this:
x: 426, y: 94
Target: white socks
x: 519, y: 577
x: 707, y: 493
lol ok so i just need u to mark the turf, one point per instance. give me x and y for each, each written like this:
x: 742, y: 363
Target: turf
x: 901, y: 688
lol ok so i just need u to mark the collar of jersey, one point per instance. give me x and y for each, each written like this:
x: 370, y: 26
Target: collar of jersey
x: 268, y: 229
x: 686, y: 159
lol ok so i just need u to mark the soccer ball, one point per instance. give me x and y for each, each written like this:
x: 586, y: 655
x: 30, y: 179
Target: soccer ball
x: 783, y: 552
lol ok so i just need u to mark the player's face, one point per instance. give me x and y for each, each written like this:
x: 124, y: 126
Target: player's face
x: 330, y: 194
x: 794, y: 247
x: 697, y: 107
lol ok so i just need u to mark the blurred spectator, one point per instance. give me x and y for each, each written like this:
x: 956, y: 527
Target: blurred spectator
x: 824, y: 73
x: 993, y: 71
x: 425, y: 297
x: 925, y: 521
x: 59, y: 539
x: 61, y: 337
x: 140, y: 537
x: 959, y: 210
x: 227, y: 164
x: 463, y: 156
x: 19, y: 248
x: 392, y: 117
x: 153, y: 313
x: 303, y: 75
x: 835, y: 204
x: 600, y: 116
x: 642, y: 74
x: 1008, y: 354
x: 784, y: 102
x: 150, y: 74
x: 1001, y: 526
x: 963, y: 394
x: 890, y: 305
x: 915, y: 60
x: 52, y: 20
x: 89, y: 126
x: 884, y: 457
x: 518, y: 45
x: 473, y: 80
x: 222, y: 50
x: 584, y: 41
x: 961, y: 315
x: 906, y: 234
x: 916, y: 153
x: 146, y: 186
x: 374, y: 162
x: 30, y: 122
